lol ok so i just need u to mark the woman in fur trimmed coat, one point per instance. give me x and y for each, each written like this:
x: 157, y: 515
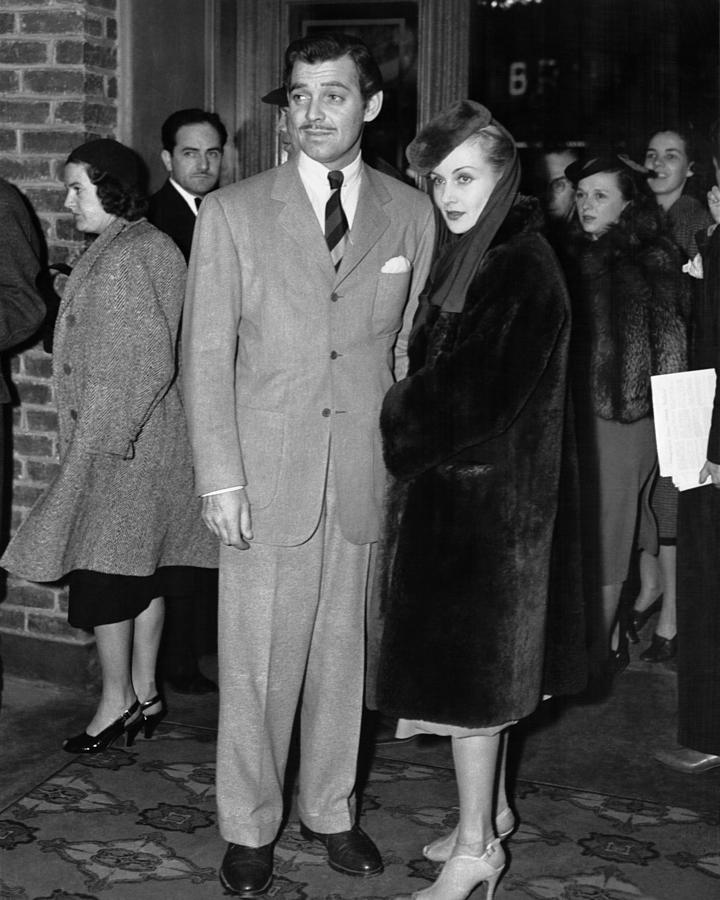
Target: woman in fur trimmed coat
x: 631, y: 302
x: 474, y: 439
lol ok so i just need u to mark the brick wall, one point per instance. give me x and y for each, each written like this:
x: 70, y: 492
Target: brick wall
x: 58, y: 88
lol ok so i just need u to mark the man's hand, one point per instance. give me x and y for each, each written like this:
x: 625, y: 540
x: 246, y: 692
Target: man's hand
x: 710, y: 470
x: 227, y: 515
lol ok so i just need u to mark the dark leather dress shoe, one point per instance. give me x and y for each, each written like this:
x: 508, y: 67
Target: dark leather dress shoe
x: 247, y: 871
x: 660, y: 649
x: 350, y: 852
x: 194, y: 683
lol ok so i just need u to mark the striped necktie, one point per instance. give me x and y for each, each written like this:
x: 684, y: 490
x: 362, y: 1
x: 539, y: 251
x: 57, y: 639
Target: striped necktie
x: 336, y: 225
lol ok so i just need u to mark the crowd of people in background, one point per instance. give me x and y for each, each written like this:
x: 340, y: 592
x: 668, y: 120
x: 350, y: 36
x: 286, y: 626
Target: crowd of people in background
x: 495, y: 352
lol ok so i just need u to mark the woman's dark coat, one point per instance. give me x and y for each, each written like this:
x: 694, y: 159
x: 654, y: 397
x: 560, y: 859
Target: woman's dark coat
x: 631, y: 305
x: 122, y: 501
x: 479, y: 441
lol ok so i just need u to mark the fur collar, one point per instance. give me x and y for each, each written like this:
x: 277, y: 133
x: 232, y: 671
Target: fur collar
x: 525, y: 216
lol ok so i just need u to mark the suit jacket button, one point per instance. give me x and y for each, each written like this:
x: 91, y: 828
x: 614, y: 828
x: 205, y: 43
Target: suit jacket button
x: 70, y: 319
x: 334, y: 297
x: 73, y: 414
x: 67, y: 368
x: 326, y: 412
x: 334, y: 354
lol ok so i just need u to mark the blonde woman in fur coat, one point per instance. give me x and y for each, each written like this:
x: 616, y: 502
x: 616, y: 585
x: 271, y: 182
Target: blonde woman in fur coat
x: 475, y: 438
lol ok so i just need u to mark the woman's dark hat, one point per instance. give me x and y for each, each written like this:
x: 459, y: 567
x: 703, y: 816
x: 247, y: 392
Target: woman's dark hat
x: 112, y: 158
x: 445, y: 132
x: 604, y: 162
x: 278, y: 97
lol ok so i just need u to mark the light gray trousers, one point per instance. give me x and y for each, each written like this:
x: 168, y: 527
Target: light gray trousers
x: 291, y: 629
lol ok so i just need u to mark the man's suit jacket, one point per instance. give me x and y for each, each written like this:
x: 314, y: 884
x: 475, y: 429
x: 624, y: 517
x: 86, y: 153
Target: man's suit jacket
x: 314, y: 347
x: 170, y: 213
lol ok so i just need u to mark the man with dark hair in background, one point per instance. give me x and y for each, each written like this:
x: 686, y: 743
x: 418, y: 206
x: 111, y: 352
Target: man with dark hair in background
x: 193, y: 142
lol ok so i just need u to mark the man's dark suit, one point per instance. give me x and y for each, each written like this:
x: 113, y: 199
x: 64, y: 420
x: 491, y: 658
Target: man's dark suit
x: 698, y: 608
x: 191, y: 619
x: 21, y: 305
x: 170, y: 213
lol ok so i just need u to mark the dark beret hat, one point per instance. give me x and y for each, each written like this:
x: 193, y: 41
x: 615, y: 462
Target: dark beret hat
x: 445, y: 132
x: 278, y: 97
x: 604, y: 162
x: 112, y: 158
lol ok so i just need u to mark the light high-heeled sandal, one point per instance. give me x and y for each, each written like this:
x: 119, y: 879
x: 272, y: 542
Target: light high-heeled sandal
x: 463, y: 872
x: 441, y: 849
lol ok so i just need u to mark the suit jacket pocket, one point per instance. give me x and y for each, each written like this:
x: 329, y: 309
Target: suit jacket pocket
x: 262, y: 441
x: 390, y: 299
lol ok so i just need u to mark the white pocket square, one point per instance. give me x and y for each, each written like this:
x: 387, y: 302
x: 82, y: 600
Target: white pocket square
x: 396, y: 265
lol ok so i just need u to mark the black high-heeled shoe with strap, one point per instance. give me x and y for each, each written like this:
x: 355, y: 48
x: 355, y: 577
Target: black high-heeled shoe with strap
x: 637, y: 619
x: 151, y: 722
x: 96, y: 743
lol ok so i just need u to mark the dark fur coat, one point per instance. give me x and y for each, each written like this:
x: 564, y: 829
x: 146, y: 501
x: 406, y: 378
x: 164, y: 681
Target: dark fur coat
x: 631, y: 305
x: 476, y: 439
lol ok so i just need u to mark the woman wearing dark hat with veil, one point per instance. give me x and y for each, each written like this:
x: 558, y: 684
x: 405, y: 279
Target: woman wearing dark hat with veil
x: 631, y: 302
x: 119, y: 518
x: 477, y: 629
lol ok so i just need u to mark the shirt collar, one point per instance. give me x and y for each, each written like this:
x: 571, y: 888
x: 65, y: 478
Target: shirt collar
x: 317, y: 173
x: 186, y: 195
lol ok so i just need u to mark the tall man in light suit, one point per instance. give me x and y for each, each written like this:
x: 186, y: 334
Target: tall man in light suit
x: 286, y: 359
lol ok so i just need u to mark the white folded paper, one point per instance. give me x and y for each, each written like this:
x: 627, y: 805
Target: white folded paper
x: 682, y: 406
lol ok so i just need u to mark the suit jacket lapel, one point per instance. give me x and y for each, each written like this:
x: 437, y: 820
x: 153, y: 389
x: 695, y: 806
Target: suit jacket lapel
x: 370, y: 222
x: 298, y: 219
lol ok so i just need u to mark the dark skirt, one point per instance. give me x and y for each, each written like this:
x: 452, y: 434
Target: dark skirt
x: 99, y: 598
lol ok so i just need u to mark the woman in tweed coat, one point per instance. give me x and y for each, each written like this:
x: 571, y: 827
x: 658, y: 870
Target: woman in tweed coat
x: 119, y: 519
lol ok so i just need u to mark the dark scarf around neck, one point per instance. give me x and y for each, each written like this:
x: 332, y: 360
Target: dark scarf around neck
x: 459, y: 256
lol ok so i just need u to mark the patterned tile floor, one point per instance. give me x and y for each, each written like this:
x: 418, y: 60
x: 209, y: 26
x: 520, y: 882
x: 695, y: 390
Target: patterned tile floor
x: 599, y: 819
x: 140, y: 824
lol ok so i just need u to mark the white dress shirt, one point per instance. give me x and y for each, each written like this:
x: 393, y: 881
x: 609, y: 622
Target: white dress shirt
x: 187, y: 196
x: 314, y: 176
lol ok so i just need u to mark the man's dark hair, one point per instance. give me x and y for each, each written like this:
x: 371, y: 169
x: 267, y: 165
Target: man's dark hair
x: 175, y: 121
x: 315, y: 48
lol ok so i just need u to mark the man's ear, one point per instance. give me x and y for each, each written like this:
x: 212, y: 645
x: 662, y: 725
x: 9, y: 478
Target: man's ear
x: 373, y: 106
x: 690, y: 170
x: 167, y: 160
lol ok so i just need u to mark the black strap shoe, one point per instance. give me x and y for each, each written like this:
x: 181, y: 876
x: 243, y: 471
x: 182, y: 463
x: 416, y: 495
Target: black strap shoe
x: 247, y: 871
x: 350, y: 852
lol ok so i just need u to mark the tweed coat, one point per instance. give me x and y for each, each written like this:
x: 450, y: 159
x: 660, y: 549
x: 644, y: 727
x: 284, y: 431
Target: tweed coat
x: 311, y: 349
x: 122, y: 499
x: 483, y: 600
